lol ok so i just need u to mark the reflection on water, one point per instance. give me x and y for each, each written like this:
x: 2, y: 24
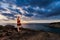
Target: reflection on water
x: 38, y: 26
x: 41, y: 26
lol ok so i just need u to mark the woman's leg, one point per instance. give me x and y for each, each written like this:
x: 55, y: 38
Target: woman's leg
x: 18, y: 28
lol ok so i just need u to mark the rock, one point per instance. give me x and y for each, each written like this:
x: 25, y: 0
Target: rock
x: 10, y: 33
x: 57, y: 25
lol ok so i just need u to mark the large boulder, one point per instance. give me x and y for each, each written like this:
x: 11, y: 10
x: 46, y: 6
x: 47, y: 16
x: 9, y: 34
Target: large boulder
x: 56, y: 24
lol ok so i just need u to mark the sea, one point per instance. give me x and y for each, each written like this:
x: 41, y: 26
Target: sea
x: 37, y: 26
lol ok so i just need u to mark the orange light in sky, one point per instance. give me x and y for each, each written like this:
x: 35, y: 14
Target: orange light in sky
x: 23, y: 21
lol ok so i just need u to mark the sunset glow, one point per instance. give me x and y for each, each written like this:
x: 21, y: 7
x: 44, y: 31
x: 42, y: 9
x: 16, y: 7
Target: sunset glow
x: 40, y: 11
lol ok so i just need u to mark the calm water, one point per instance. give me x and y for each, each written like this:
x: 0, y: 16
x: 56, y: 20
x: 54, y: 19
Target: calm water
x: 41, y: 26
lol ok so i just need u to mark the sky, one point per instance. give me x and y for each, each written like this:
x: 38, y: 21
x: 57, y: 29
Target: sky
x: 29, y: 10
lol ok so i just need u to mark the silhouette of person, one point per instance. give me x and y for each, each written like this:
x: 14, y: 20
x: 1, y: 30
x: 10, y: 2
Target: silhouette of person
x: 18, y: 23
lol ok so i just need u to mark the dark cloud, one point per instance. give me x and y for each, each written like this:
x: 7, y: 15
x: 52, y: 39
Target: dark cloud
x: 34, y: 2
x: 40, y: 2
x: 39, y: 9
x: 29, y: 15
x: 9, y: 1
x: 10, y: 15
x: 54, y: 14
x: 2, y: 9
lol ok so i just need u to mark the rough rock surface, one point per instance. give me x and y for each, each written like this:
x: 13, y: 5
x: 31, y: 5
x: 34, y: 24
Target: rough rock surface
x: 10, y: 33
x: 56, y: 24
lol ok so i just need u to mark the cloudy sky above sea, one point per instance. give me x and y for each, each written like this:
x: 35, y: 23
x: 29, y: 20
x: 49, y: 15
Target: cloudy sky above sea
x: 29, y: 10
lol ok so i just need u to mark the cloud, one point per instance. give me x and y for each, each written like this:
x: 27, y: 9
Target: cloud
x: 9, y: 1
x: 43, y: 21
x: 34, y: 2
x: 34, y: 9
x: 2, y: 17
x: 55, y: 7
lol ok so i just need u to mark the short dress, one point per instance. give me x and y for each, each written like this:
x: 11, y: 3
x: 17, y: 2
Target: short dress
x: 18, y: 23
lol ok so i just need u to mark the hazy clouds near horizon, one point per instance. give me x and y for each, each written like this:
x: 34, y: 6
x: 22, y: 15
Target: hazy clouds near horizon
x: 30, y: 9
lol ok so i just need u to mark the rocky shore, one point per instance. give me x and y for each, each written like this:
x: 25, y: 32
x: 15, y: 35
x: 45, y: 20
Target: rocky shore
x: 8, y: 32
x: 56, y: 24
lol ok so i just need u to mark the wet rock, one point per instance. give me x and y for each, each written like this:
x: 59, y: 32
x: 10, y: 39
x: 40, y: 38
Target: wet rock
x: 56, y: 24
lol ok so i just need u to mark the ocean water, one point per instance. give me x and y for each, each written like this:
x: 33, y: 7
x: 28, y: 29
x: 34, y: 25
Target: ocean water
x: 38, y: 26
x: 41, y: 26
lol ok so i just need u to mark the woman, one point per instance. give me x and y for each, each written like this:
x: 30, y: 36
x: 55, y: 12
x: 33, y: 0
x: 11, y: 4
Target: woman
x: 18, y: 23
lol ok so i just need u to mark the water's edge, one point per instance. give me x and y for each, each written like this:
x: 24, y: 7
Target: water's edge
x: 40, y: 26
